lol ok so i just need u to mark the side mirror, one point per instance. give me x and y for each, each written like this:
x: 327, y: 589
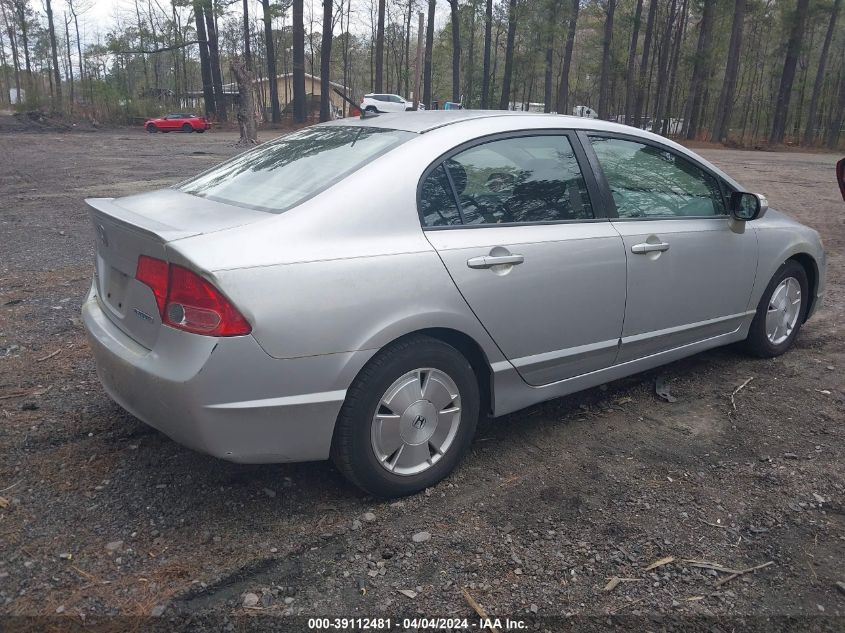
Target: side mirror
x: 748, y: 206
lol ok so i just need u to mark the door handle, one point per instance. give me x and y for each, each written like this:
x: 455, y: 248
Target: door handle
x: 645, y: 247
x: 488, y: 261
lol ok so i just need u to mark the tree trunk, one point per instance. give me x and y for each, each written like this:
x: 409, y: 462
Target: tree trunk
x: 793, y: 49
x: 456, y: 51
x: 57, y: 78
x: 69, y: 59
x: 14, y: 45
x: 604, y: 79
x: 812, y: 117
x: 724, y: 109
x: 247, y: 51
x: 469, y: 83
x: 429, y: 45
x: 298, y: 63
x: 673, y: 68
x: 214, y: 60
x: 563, y: 89
x: 839, y: 116
x: 78, y: 46
x: 663, y: 70
x: 272, y: 75
x: 630, y: 85
x: 207, y: 86
x: 326, y: 61
x: 550, y: 53
x: 641, y: 80
x: 700, y: 70
x: 379, y: 80
x: 20, y: 9
x: 246, y: 106
x: 488, y: 37
x: 407, y: 73
x: 506, y: 79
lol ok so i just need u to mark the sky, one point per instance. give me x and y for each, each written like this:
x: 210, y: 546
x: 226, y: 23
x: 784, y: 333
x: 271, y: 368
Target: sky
x: 102, y: 13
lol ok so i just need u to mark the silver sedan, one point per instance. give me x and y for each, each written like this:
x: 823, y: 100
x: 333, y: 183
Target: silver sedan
x: 365, y: 289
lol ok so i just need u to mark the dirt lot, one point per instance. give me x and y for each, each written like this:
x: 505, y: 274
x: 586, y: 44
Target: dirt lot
x: 103, y: 516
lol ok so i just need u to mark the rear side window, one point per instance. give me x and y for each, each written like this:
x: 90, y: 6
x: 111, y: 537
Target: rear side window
x: 652, y: 182
x: 520, y: 180
x: 280, y: 175
x: 437, y: 203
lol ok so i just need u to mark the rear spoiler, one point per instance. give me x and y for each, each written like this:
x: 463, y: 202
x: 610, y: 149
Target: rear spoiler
x: 137, y: 222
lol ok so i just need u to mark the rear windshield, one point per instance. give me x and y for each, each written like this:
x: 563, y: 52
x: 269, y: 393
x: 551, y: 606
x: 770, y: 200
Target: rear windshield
x: 284, y: 173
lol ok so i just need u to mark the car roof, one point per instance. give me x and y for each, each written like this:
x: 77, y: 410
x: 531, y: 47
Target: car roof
x: 424, y: 121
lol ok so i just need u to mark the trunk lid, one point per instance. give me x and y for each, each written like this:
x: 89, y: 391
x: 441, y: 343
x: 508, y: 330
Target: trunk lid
x: 127, y: 228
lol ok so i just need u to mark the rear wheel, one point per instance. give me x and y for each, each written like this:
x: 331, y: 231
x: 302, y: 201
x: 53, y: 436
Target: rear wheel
x: 151, y: 128
x: 371, y: 109
x: 780, y: 312
x: 200, y: 131
x: 187, y: 128
x: 408, y: 418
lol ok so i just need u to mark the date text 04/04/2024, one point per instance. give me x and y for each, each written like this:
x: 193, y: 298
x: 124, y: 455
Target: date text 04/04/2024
x: 416, y: 624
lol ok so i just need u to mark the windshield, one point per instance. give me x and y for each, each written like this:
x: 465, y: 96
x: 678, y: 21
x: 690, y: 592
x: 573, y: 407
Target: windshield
x: 284, y: 173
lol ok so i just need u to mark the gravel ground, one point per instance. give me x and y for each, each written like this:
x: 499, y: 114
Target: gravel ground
x: 101, y: 516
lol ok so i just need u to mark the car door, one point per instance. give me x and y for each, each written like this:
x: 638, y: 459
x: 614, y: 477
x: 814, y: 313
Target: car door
x: 690, y: 268
x: 515, y: 221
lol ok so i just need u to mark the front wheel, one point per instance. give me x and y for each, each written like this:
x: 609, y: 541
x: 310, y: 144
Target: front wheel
x: 408, y: 418
x: 780, y: 312
x: 151, y: 128
x: 187, y: 129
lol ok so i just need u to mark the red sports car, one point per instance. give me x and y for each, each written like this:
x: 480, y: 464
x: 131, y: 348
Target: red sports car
x: 178, y: 121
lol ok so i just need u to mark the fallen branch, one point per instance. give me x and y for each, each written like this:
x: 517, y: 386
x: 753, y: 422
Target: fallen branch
x: 743, y: 571
x: 479, y: 610
x: 704, y: 564
x: 48, y: 356
x: 12, y: 486
x: 737, y: 390
x: 660, y: 563
x: 614, y: 582
x: 732, y: 573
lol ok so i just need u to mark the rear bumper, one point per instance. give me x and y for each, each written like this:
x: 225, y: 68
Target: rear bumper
x: 223, y: 396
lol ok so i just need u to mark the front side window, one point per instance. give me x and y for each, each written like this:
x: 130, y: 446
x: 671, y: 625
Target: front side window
x: 525, y: 179
x: 651, y: 182
x: 280, y: 175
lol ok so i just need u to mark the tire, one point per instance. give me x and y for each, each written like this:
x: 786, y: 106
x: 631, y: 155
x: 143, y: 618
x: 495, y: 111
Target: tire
x: 354, y: 447
x: 200, y: 131
x: 187, y: 129
x: 151, y: 128
x: 759, y: 341
x: 370, y: 109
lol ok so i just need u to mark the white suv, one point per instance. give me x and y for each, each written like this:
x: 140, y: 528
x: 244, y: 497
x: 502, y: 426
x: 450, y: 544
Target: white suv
x: 385, y: 103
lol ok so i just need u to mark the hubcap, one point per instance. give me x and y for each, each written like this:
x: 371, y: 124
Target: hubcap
x: 416, y: 421
x: 784, y: 306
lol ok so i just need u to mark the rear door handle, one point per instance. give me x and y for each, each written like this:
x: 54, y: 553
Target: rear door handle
x: 488, y: 261
x: 645, y: 247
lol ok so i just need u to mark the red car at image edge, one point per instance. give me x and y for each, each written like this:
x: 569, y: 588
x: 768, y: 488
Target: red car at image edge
x: 178, y: 122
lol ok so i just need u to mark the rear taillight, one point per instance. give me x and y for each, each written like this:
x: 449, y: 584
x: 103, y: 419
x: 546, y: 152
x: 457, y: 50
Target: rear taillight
x: 188, y: 302
x: 154, y: 273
